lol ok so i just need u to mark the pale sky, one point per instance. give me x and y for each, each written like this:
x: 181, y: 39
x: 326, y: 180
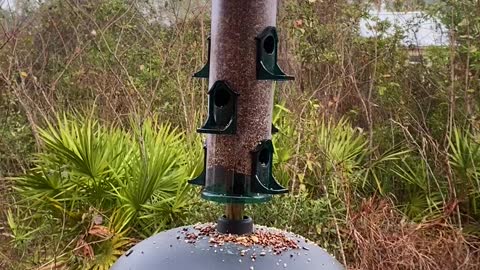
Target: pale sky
x: 6, y: 4
x: 419, y: 29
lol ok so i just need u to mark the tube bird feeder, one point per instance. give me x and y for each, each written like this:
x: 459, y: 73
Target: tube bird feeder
x: 242, y: 66
x: 238, y: 156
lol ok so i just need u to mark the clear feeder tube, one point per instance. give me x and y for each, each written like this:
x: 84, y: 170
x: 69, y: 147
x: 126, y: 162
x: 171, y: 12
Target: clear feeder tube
x: 235, y: 26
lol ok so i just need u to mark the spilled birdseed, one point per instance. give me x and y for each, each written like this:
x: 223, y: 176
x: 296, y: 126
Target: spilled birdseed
x: 274, y: 242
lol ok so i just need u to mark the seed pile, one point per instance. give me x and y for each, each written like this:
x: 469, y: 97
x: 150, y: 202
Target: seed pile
x: 274, y: 242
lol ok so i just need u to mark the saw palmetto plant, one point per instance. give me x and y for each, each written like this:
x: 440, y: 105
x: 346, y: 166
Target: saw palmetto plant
x: 464, y: 158
x: 135, y: 179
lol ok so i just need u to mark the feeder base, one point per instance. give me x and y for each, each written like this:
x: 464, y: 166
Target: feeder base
x: 187, y: 248
x: 227, y: 226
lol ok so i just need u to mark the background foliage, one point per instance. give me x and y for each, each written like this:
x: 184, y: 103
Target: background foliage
x: 99, y: 111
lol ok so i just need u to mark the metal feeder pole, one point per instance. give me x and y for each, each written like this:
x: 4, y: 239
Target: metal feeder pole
x: 234, y: 211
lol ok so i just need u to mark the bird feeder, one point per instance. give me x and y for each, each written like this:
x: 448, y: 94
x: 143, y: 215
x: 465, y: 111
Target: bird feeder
x: 241, y: 68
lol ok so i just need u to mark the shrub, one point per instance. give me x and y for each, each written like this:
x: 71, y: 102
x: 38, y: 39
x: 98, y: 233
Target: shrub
x: 106, y: 184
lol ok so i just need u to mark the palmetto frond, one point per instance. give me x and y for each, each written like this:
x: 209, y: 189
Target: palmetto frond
x: 137, y: 177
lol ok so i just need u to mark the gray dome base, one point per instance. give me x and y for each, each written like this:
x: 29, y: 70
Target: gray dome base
x: 175, y: 250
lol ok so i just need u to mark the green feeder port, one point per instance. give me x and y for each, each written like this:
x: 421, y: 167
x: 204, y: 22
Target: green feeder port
x: 227, y: 186
x: 267, y: 56
x: 262, y: 162
x: 222, y: 110
x: 205, y: 71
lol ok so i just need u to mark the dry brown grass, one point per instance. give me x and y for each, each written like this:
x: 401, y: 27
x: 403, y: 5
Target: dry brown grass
x: 5, y: 250
x: 384, y: 240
